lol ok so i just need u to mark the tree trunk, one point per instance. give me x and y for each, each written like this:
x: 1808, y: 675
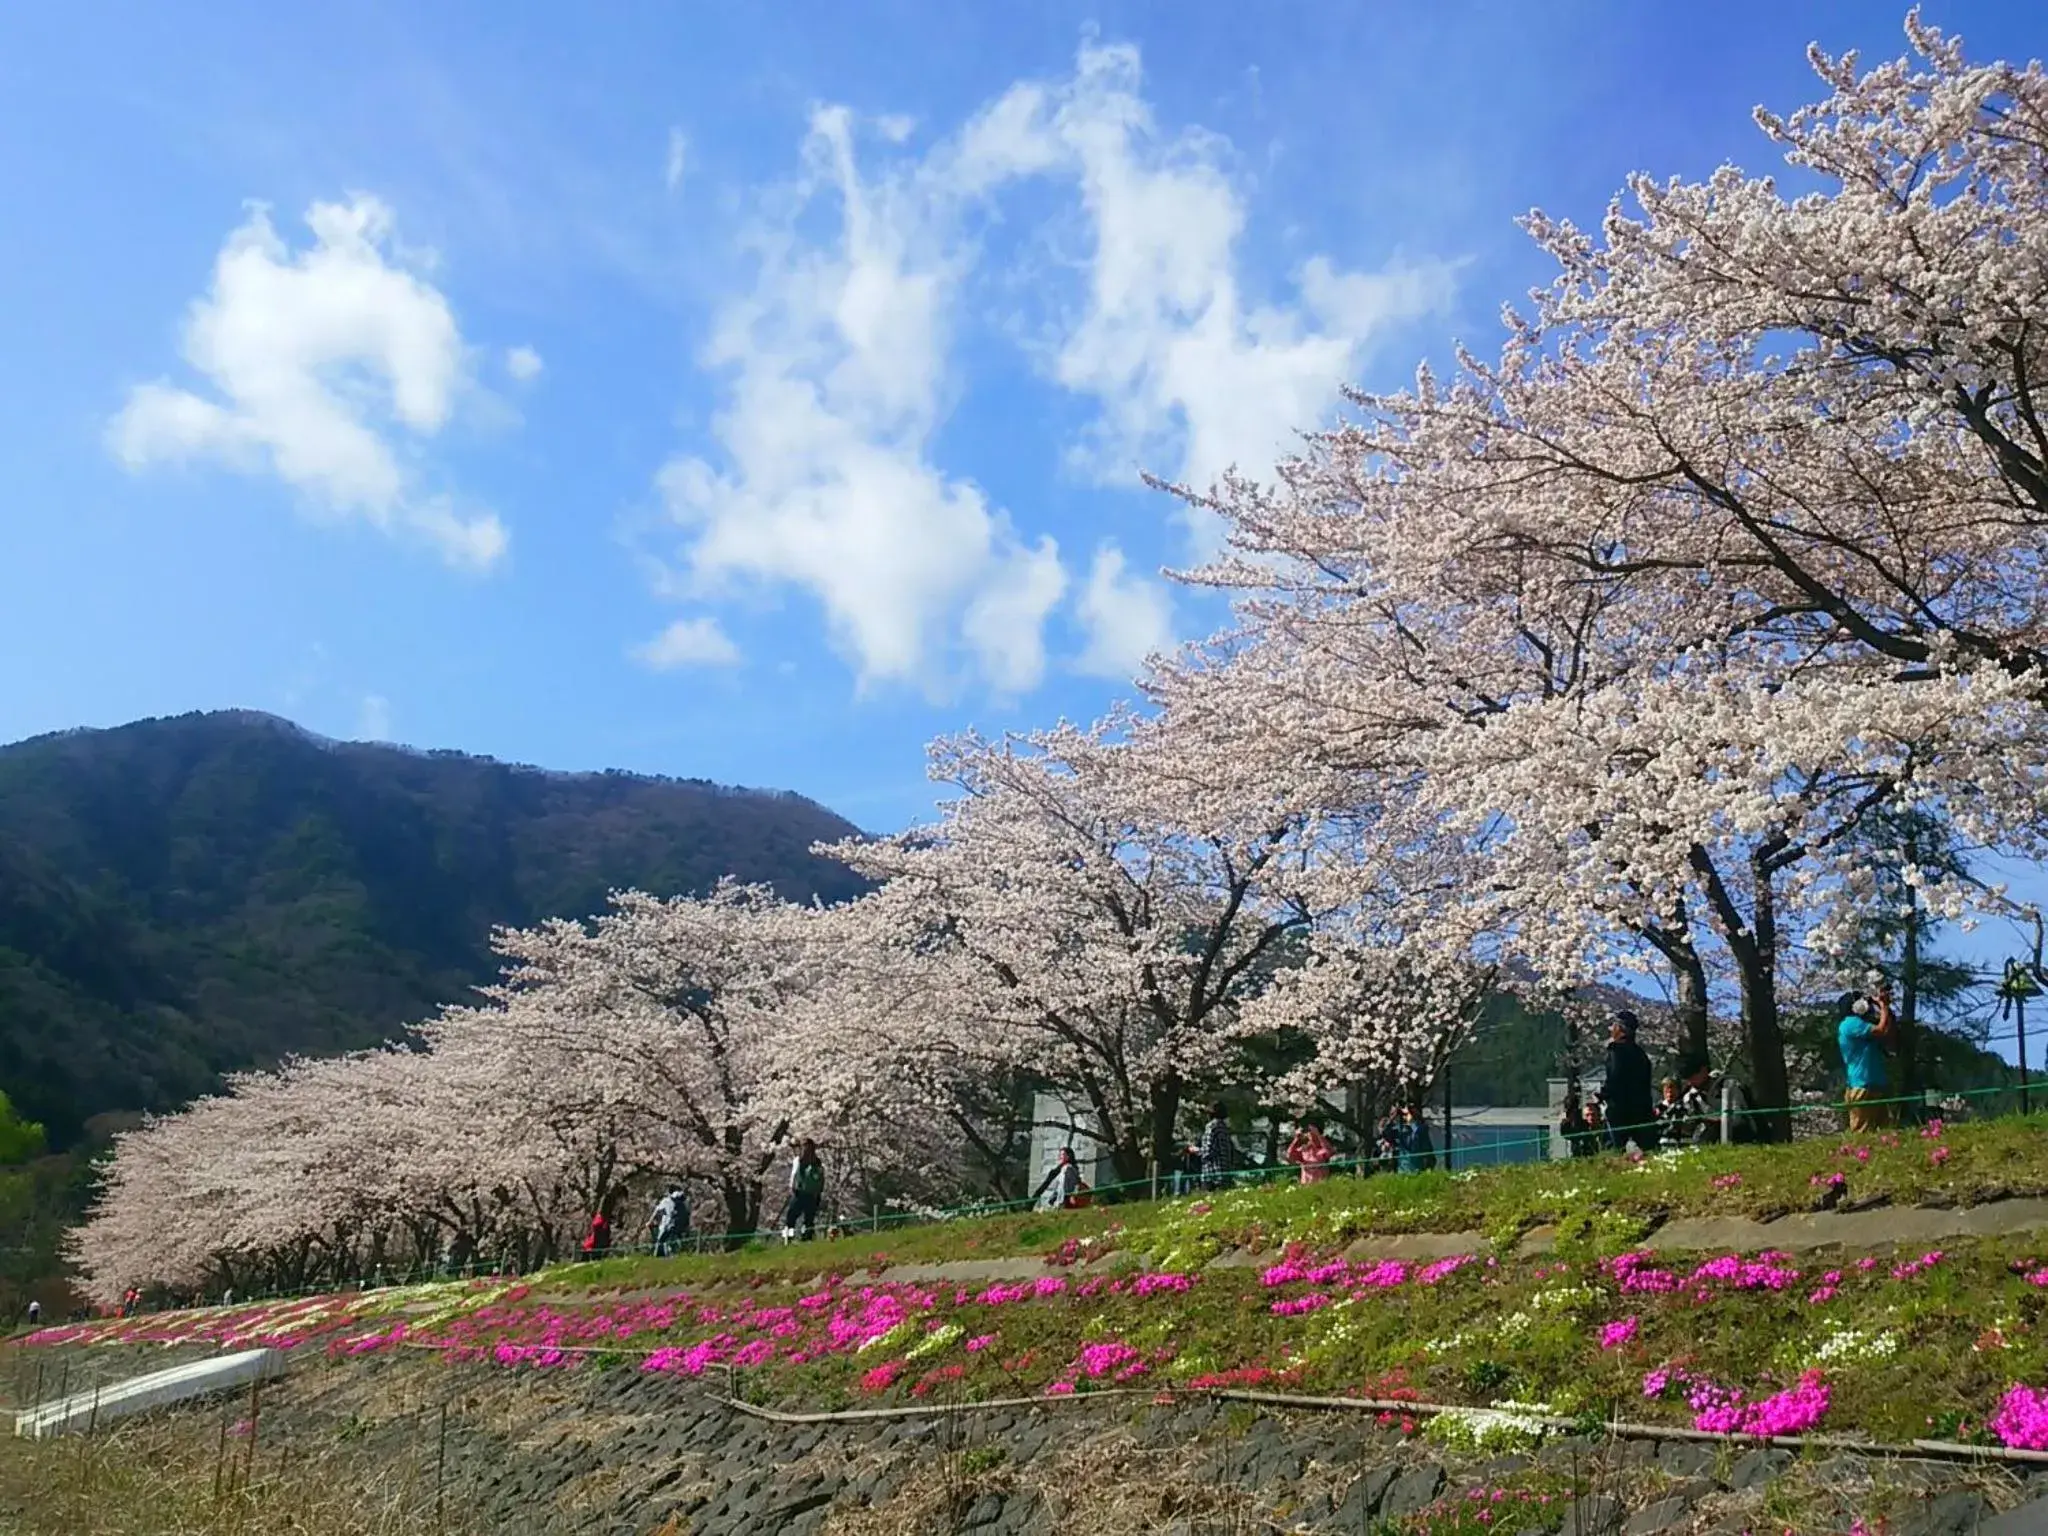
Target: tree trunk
x: 1757, y: 966
x: 742, y: 1210
x: 1165, y: 1123
x: 1690, y: 1004
x: 1907, y: 1045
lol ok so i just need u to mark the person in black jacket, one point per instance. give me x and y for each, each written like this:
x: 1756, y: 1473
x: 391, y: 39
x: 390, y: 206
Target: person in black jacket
x: 1630, y: 1116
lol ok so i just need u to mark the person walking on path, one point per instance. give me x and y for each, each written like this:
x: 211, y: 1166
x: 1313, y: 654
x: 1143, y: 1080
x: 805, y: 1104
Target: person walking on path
x: 1062, y: 1182
x: 806, y: 1191
x: 1865, y: 1027
x: 1627, y: 1089
x: 1310, y: 1151
x: 597, y: 1242
x: 1219, y: 1151
x: 670, y: 1222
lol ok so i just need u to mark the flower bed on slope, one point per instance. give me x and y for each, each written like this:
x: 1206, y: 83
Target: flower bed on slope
x: 1949, y: 1343
x: 286, y: 1323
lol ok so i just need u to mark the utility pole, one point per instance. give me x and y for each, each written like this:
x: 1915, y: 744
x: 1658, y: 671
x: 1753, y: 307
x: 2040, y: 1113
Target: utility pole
x: 2023, y: 978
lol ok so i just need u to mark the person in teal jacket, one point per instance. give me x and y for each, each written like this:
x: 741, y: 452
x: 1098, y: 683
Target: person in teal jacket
x: 1866, y: 1024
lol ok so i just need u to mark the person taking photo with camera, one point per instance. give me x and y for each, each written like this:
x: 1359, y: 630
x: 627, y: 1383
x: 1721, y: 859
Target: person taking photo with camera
x: 1864, y: 1032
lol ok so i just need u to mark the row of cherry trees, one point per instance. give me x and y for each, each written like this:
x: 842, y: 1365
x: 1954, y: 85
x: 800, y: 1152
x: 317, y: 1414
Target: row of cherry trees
x: 1065, y: 924
x: 1600, y: 656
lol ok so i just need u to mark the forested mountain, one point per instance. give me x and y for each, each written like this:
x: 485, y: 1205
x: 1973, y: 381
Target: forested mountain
x: 182, y: 897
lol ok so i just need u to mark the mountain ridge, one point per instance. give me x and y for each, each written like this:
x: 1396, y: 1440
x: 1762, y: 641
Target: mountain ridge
x: 190, y: 895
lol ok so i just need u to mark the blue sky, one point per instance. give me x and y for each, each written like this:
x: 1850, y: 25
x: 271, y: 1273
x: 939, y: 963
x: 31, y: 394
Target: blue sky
x: 747, y: 392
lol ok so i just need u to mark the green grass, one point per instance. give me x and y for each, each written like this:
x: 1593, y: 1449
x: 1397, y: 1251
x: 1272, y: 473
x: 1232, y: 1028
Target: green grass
x: 1929, y: 1355
x: 1903, y: 1357
x: 1599, y: 1204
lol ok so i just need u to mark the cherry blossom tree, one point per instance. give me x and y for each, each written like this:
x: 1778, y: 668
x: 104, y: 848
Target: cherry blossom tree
x: 1088, y: 931
x: 1734, y: 545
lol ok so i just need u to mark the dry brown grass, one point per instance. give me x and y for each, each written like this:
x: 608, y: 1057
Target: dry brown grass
x: 204, y: 1474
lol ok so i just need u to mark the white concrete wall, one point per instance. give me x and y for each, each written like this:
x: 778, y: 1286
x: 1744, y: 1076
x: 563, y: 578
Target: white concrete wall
x: 195, y: 1378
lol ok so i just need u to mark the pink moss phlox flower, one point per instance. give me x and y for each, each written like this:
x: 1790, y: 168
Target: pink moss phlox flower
x: 1728, y: 1181
x: 1615, y: 1334
x: 1060, y: 1389
x: 1283, y: 1274
x: 2022, y: 1419
x: 1633, y: 1274
x: 1762, y: 1273
x: 1931, y: 1131
x: 1722, y: 1410
x: 1163, y: 1280
x: 1833, y: 1180
x: 1382, y: 1276
x: 1442, y: 1269
x: 1822, y: 1295
x: 1866, y: 1264
x: 1328, y: 1274
x: 1313, y: 1301
x: 1921, y: 1265
x: 1937, y: 1156
x: 1101, y: 1359
x: 980, y: 1342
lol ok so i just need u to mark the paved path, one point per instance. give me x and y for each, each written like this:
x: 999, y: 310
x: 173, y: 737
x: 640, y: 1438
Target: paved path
x: 1803, y: 1232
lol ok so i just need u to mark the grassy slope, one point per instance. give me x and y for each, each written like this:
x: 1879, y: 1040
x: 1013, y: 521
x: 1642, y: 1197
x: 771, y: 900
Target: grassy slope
x: 1905, y: 1348
x: 1902, y: 1354
x: 1606, y: 1203
x: 1932, y: 1350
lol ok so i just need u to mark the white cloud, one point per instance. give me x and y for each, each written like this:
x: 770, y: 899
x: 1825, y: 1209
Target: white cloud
x: 319, y: 359
x: 678, y: 160
x: 523, y: 364
x: 697, y: 642
x: 373, y: 718
x: 1126, y: 617
x: 839, y: 375
x: 838, y: 383
x: 1005, y: 624
x: 1189, y: 375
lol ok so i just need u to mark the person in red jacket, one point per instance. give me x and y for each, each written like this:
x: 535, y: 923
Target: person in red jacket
x: 597, y: 1242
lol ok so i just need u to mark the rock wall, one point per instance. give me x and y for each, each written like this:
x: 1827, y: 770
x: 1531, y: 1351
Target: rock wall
x: 617, y: 1451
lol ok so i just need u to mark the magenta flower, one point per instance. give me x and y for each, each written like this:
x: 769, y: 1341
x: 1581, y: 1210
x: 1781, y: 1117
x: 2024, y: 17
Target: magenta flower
x: 1299, y: 1305
x: 1618, y: 1333
x: 2022, y: 1419
x: 1442, y: 1269
x: 1101, y: 1359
